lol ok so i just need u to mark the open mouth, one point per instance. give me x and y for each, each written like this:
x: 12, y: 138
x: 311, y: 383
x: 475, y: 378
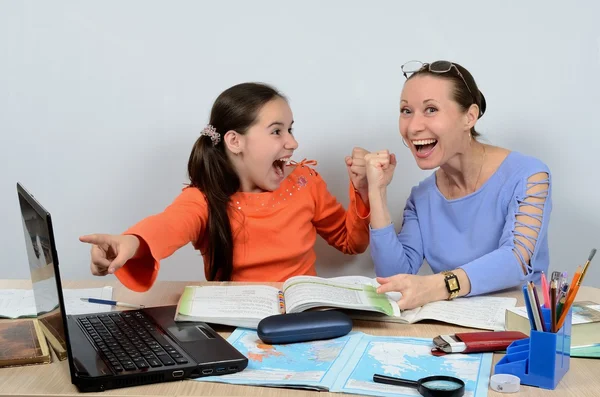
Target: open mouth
x: 424, y: 145
x: 279, y: 164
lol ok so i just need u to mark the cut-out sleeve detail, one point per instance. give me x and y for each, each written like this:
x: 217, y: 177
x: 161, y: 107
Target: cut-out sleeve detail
x: 520, y: 255
x: 529, y: 219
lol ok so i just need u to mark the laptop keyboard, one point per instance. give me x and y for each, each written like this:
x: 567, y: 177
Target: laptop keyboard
x: 130, y: 341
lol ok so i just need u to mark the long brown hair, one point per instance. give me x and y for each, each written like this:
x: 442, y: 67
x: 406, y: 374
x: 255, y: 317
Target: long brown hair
x: 461, y: 93
x: 211, y: 171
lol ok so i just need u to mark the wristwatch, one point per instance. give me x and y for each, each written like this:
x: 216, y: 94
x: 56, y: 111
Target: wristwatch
x: 452, y: 284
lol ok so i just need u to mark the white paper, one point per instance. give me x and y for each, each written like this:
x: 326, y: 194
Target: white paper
x: 15, y: 303
x: 243, y: 301
x: 483, y: 312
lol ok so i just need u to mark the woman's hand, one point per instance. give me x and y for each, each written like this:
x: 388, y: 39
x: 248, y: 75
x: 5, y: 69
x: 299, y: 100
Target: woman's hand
x: 380, y: 169
x: 416, y: 290
x: 110, y: 252
x: 357, y: 171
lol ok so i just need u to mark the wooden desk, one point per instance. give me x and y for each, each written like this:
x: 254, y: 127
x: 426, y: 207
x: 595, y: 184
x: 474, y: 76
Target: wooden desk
x: 54, y: 380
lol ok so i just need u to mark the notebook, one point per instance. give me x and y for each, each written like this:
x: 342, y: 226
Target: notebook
x: 22, y: 343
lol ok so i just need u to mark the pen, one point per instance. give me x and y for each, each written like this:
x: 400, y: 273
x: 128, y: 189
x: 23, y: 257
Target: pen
x: 574, y: 288
x: 528, y: 306
x: 112, y: 303
x: 553, y: 306
x: 562, y: 296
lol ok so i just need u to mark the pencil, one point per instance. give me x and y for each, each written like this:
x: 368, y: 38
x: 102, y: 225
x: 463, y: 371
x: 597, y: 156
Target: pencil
x: 574, y: 288
x: 535, y: 311
x: 569, y: 298
x: 585, y: 267
x: 539, y: 308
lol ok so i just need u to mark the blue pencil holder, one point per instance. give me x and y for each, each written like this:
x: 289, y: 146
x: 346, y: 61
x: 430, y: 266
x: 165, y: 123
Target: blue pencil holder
x: 542, y: 359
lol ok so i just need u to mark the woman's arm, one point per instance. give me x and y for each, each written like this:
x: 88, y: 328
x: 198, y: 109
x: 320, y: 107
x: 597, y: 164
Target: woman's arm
x: 524, y: 235
x: 522, y: 252
x: 395, y: 253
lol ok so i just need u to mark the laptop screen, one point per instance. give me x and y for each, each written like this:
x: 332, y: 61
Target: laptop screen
x: 41, y: 254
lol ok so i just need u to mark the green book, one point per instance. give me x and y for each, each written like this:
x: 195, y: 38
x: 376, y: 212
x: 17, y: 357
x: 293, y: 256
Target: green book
x: 589, y: 351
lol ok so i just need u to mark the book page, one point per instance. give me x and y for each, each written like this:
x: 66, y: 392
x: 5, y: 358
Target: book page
x: 305, y: 292
x: 15, y: 303
x: 74, y: 305
x: 583, y: 312
x: 240, y: 301
x: 476, y: 312
x: 362, y: 280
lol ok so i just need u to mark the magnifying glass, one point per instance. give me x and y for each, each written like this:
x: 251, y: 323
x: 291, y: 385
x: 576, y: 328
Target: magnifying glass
x: 430, y: 386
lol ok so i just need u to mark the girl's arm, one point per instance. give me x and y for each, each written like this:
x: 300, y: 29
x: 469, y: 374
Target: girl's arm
x: 182, y: 222
x: 348, y: 231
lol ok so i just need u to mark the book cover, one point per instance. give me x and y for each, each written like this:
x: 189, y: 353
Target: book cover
x: 52, y: 326
x: 22, y: 342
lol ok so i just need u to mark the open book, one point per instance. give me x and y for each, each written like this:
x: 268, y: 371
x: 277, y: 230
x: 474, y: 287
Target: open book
x: 246, y: 305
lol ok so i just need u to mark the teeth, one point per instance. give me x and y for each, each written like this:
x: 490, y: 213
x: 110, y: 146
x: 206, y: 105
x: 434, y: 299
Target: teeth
x: 424, y: 141
x: 285, y: 160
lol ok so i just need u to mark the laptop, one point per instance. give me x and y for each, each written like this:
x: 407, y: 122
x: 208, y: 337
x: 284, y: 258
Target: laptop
x: 117, y: 348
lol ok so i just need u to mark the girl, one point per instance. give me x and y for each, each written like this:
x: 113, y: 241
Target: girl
x: 480, y: 220
x: 252, y: 212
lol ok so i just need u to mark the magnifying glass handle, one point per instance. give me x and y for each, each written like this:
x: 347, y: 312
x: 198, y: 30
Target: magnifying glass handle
x: 390, y: 380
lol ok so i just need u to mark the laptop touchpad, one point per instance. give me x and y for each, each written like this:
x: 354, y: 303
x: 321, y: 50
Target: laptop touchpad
x: 189, y: 332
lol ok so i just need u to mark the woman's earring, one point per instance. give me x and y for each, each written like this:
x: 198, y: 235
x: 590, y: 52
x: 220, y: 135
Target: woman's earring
x: 404, y: 142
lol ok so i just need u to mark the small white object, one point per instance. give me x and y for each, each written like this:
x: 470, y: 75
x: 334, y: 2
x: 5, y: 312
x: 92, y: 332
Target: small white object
x: 505, y: 383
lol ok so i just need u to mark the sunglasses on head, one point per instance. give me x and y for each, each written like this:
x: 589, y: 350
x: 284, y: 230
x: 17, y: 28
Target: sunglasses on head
x: 440, y: 67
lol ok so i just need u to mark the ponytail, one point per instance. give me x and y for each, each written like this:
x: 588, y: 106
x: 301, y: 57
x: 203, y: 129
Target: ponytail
x: 211, y: 171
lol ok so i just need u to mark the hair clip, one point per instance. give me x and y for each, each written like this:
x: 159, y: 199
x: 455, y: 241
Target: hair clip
x: 212, y: 133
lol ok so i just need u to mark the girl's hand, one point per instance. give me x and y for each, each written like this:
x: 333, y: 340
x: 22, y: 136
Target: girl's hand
x: 110, y: 252
x: 357, y: 171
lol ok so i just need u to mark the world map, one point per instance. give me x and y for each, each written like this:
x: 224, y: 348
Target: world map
x: 347, y: 364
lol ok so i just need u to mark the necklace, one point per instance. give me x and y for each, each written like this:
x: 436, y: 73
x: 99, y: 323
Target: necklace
x: 478, y: 175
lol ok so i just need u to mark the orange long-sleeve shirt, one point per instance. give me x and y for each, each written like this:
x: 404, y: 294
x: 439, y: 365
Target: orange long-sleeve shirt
x: 274, y: 232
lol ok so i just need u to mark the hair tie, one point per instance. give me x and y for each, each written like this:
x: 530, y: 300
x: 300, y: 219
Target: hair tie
x: 212, y: 133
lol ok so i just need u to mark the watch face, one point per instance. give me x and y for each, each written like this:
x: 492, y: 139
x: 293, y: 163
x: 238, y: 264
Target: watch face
x: 452, y: 284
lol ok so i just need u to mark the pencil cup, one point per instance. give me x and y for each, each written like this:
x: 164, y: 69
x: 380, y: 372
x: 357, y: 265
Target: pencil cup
x: 542, y: 359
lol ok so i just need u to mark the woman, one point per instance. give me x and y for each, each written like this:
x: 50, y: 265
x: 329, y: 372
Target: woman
x: 480, y: 220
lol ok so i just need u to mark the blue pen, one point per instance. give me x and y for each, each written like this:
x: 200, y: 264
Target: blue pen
x: 112, y: 303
